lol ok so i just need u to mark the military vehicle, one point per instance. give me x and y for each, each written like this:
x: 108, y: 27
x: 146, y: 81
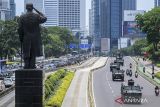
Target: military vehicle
x: 117, y: 75
x: 120, y: 61
x: 130, y: 93
x: 114, y: 66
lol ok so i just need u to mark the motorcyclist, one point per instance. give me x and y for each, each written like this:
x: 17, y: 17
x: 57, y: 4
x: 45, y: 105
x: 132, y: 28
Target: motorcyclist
x: 130, y: 65
x: 157, y: 90
x: 136, y: 74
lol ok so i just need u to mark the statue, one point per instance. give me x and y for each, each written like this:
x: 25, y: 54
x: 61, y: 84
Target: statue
x: 29, y: 35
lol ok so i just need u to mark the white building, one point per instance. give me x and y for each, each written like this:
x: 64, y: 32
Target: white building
x: 72, y: 14
x: 38, y: 4
x: 51, y: 12
x: 4, y: 9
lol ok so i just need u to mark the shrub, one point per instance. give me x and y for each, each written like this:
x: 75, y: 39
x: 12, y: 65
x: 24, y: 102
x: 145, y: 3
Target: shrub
x: 57, y: 99
x: 157, y: 75
x: 158, y: 65
x: 52, y: 82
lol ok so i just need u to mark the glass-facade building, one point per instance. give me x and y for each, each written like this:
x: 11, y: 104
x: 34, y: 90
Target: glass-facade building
x: 69, y: 13
x: 96, y: 24
x: 4, y: 9
x: 38, y: 4
x: 115, y: 22
x: 51, y: 12
x: 12, y: 9
x: 129, y: 4
x: 156, y: 3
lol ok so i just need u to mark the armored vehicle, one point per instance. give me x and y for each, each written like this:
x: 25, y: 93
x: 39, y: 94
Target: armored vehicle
x: 117, y: 75
x: 120, y: 61
x: 114, y: 66
x: 130, y: 93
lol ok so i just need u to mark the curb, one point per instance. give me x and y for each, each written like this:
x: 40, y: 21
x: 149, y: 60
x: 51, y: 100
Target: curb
x: 90, y: 87
x: 7, y: 91
x: 145, y: 76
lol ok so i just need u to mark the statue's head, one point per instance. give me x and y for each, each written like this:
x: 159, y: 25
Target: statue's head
x: 29, y: 7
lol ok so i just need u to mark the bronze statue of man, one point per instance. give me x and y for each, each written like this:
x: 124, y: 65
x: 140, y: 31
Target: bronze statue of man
x: 30, y: 37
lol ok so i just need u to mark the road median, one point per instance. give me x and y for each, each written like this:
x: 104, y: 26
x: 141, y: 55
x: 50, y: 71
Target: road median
x: 77, y: 94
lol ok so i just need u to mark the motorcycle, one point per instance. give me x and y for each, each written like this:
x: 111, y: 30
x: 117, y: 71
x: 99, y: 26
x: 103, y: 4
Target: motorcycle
x: 130, y: 65
x: 157, y: 92
x: 130, y: 73
x: 136, y: 75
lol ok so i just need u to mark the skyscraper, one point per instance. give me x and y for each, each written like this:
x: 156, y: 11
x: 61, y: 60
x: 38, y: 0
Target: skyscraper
x: 156, y: 3
x: 51, y: 12
x: 129, y: 4
x: 95, y: 5
x: 4, y: 10
x: 72, y: 14
x: 38, y: 4
x: 12, y: 9
x: 115, y: 22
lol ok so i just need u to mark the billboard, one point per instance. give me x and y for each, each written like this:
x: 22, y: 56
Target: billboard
x: 130, y: 29
x: 105, y: 44
x: 130, y: 15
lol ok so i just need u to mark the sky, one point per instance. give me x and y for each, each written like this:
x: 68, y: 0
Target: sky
x: 141, y: 5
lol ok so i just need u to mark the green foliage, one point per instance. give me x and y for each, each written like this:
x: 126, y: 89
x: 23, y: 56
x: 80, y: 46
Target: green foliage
x: 57, y: 98
x: 56, y: 40
x: 158, y: 65
x: 157, y: 75
x: 135, y: 49
x: 150, y: 24
x: 9, y: 41
x: 52, y: 82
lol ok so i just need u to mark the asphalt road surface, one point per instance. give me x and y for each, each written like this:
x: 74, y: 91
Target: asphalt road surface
x: 106, y: 91
x: 9, y: 99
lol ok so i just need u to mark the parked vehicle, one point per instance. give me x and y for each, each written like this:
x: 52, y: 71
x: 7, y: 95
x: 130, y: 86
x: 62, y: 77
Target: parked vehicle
x: 8, y: 82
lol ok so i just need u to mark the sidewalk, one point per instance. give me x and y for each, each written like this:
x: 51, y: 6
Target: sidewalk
x: 148, y: 64
x: 148, y: 69
x: 77, y: 94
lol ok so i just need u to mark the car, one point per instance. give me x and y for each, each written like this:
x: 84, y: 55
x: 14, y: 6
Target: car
x: 13, y: 78
x: 117, y: 75
x: 2, y: 86
x: 8, y: 82
x: 131, y: 94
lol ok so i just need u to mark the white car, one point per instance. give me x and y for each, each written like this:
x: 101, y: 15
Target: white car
x: 8, y: 82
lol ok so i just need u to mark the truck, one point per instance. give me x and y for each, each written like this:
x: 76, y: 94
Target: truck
x: 118, y: 75
x: 131, y: 94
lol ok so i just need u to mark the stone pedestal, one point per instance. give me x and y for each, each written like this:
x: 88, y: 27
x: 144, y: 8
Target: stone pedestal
x: 29, y: 88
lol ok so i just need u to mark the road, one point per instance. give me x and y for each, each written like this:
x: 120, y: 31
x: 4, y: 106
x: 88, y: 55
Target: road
x: 105, y: 91
x: 9, y: 99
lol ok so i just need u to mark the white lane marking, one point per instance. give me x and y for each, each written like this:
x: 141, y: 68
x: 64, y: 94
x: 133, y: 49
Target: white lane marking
x: 93, y: 93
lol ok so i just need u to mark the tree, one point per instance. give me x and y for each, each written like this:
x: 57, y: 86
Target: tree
x: 9, y: 41
x: 54, y: 47
x: 150, y: 24
x: 64, y: 34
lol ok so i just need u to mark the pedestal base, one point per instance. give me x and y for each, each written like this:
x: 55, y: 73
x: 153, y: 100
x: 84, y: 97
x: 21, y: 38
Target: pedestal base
x: 29, y: 88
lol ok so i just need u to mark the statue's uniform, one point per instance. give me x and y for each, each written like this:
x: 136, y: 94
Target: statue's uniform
x: 29, y: 33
